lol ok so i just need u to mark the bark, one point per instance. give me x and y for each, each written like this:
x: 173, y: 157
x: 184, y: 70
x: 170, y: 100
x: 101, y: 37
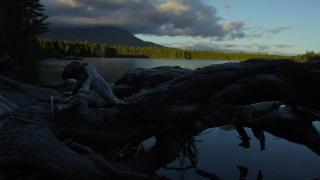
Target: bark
x: 168, y: 103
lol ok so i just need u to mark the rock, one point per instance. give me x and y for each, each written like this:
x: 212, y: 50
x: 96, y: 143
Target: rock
x: 73, y: 70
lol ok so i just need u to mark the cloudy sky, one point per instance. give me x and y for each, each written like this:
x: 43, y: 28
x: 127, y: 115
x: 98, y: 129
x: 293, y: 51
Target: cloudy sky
x: 273, y: 26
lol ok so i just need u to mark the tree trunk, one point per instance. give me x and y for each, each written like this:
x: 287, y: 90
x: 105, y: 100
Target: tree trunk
x: 168, y: 103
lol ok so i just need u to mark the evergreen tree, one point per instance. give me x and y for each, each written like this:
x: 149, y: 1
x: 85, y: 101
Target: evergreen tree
x: 33, y: 18
x: 20, y: 22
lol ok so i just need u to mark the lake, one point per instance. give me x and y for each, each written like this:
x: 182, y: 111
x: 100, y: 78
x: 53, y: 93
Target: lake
x: 48, y: 72
x: 219, y: 152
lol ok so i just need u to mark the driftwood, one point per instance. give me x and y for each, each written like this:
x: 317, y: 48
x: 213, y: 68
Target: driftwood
x: 97, y: 133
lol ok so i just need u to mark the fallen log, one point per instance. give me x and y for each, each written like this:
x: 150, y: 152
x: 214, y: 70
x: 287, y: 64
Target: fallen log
x: 168, y: 103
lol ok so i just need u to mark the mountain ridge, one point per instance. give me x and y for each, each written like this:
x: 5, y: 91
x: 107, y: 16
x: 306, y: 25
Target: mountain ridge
x: 102, y: 35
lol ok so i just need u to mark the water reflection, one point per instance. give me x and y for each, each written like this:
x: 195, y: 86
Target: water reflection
x: 222, y: 157
x: 258, y: 133
x: 244, y: 172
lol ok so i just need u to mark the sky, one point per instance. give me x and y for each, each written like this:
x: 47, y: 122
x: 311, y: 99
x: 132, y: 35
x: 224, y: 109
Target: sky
x: 287, y: 27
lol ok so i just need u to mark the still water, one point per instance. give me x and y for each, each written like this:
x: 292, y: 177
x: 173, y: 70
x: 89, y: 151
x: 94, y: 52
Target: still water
x: 219, y: 152
x: 49, y: 71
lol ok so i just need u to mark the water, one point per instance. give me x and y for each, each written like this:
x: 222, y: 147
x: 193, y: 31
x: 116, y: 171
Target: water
x: 219, y: 151
x: 49, y: 71
x: 281, y: 159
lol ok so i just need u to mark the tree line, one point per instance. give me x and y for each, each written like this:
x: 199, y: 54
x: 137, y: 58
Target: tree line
x: 309, y: 55
x: 59, y: 48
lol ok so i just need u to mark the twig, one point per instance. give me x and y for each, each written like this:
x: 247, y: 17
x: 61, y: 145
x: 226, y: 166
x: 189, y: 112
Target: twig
x: 178, y: 169
x: 138, y: 150
x: 52, y: 105
x: 70, y: 174
x: 120, y: 152
x: 194, y: 160
x: 205, y: 133
x: 69, y: 142
x: 207, y: 175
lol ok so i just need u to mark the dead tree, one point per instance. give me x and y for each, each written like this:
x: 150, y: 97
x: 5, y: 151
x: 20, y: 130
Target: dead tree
x: 83, y: 135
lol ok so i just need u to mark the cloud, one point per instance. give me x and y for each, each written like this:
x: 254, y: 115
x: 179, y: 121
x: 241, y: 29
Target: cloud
x: 269, y: 37
x: 278, y: 29
x: 227, y: 27
x: 172, y: 7
x: 262, y: 46
x: 227, y: 5
x: 265, y: 46
x: 154, y: 17
x: 238, y: 34
x: 188, y: 18
x: 201, y: 44
x: 258, y: 32
x: 253, y: 35
x: 283, y: 45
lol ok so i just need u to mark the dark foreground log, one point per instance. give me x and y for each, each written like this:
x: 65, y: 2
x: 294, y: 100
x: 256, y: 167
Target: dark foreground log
x: 108, y: 124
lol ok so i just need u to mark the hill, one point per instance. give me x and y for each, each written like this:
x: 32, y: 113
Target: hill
x: 103, y: 35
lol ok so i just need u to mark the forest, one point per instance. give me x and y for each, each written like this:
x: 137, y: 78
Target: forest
x: 59, y: 48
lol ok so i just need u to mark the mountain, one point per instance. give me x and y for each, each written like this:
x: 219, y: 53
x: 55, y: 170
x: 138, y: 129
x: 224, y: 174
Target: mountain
x: 103, y: 35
